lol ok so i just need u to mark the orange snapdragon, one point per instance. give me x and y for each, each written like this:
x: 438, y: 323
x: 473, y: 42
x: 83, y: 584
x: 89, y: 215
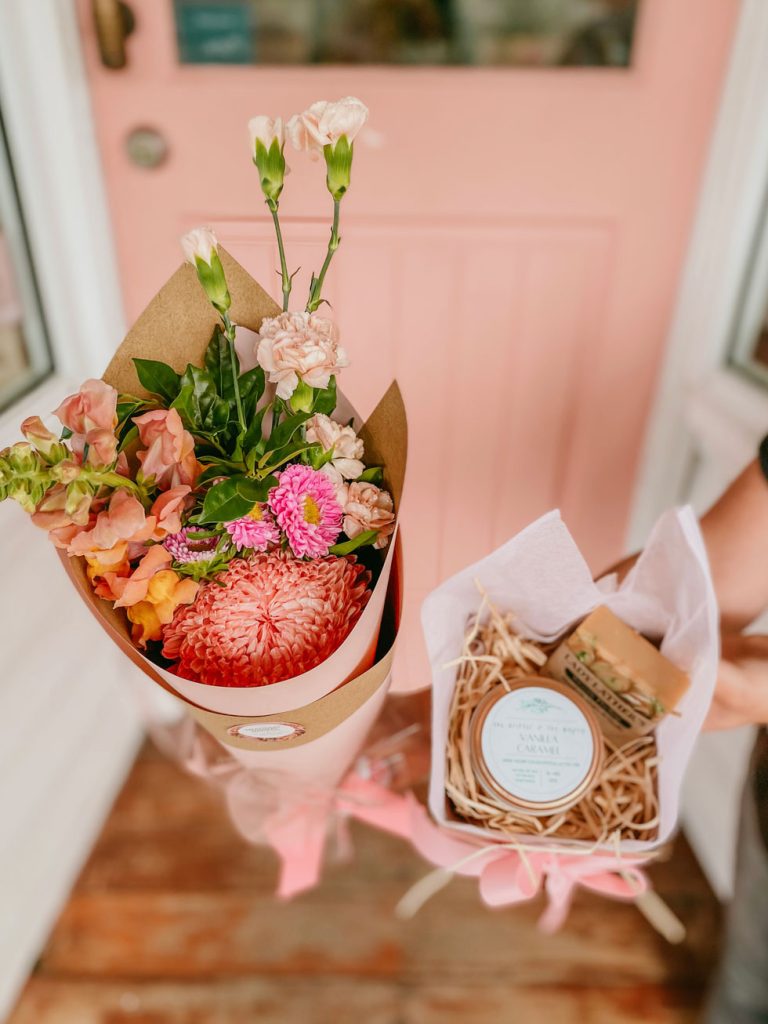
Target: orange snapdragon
x: 164, y: 593
x: 170, y: 453
x: 91, y: 416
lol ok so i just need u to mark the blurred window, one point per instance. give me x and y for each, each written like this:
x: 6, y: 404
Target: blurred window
x: 24, y: 352
x: 500, y: 33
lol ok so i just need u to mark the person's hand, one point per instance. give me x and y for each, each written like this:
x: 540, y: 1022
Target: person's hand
x: 741, y: 693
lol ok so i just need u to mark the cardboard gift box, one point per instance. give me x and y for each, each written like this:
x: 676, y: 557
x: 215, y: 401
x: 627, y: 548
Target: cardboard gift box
x: 310, y: 726
x: 541, y: 576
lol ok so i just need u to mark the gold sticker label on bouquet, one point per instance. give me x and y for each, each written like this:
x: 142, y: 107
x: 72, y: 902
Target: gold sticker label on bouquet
x: 266, y: 732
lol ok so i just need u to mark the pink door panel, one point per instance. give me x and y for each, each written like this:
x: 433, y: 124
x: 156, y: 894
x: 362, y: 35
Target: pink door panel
x: 511, y: 249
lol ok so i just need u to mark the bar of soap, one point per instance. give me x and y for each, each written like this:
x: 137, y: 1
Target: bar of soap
x: 628, y: 680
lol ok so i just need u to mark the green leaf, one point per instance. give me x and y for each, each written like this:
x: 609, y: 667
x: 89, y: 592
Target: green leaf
x: 127, y: 408
x: 252, y: 384
x: 213, y: 471
x: 234, y: 498
x: 372, y: 475
x: 127, y: 437
x: 157, y: 377
x: 199, y: 404
x: 287, y: 453
x: 283, y: 432
x: 316, y: 457
x: 218, y: 364
x: 325, y: 398
x: 253, y: 435
x: 348, y: 546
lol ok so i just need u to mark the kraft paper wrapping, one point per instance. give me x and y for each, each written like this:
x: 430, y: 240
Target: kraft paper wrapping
x: 350, y: 686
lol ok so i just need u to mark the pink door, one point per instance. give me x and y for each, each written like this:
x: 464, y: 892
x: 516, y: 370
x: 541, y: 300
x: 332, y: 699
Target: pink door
x: 511, y: 250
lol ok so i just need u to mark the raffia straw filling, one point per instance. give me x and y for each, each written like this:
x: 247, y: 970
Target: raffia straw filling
x: 623, y: 804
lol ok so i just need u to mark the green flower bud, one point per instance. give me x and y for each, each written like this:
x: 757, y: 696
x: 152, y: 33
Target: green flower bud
x: 21, y: 493
x: 201, y: 250
x: 302, y: 397
x: 338, y: 161
x: 79, y: 496
x: 271, y: 166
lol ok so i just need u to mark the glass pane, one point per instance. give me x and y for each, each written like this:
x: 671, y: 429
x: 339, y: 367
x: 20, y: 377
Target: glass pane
x: 500, y: 33
x: 24, y: 353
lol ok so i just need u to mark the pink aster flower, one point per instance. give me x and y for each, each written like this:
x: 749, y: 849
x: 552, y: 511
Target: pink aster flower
x: 305, y: 507
x: 266, y: 619
x: 186, y: 546
x: 256, y: 530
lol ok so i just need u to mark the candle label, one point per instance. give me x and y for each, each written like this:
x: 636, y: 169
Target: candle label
x: 537, y: 744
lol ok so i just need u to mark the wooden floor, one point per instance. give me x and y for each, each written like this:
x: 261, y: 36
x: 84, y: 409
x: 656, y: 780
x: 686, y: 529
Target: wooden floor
x: 173, y: 922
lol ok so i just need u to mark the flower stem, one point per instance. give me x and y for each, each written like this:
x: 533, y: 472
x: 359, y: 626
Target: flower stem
x: 229, y: 332
x: 286, y: 277
x: 316, y: 286
x: 110, y: 479
x: 276, y: 409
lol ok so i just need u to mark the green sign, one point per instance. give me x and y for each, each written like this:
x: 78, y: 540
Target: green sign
x: 215, y: 33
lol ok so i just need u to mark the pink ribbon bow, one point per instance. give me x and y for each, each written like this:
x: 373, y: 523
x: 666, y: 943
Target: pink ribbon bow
x: 295, y: 817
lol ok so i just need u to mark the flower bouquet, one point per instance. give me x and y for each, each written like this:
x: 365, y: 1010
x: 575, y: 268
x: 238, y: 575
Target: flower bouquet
x: 219, y: 505
x: 560, y: 735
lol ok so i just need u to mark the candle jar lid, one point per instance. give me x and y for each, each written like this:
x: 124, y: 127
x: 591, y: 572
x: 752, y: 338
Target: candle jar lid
x: 535, y: 746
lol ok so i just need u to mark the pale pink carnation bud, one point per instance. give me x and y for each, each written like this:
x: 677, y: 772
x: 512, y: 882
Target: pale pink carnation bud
x: 199, y: 244
x: 266, y: 129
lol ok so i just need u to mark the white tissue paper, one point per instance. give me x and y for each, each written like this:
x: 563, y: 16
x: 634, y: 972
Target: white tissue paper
x: 542, y: 577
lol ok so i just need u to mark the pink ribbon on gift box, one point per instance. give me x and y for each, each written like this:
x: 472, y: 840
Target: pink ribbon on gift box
x: 295, y: 819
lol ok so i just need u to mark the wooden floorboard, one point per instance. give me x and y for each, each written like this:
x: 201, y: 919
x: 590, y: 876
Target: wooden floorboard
x: 173, y: 920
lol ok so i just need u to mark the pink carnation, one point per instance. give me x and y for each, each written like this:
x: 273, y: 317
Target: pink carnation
x: 297, y: 347
x: 368, y: 507
x: 266, y: 619
x: 305, y: 507
x: 257, y: 530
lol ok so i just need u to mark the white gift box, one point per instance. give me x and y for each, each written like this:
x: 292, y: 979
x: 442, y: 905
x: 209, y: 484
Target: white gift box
x: 542, y: 577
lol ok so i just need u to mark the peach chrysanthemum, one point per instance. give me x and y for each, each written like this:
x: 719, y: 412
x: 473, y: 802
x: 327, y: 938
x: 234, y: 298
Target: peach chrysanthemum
x: 266, y: 618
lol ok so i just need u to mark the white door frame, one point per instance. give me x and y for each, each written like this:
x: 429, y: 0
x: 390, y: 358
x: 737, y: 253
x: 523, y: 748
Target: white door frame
x: 730, y: 208
x: 66, y: 740
x: 708, y: 418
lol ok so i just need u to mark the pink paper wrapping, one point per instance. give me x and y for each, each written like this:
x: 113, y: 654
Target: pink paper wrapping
x: 294, y: 739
